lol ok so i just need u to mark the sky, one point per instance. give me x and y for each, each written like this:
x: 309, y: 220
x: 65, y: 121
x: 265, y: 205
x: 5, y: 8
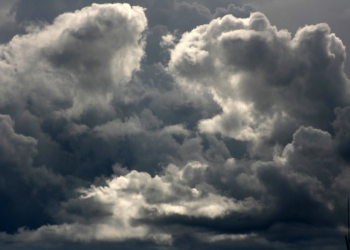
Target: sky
x: 170, y: 124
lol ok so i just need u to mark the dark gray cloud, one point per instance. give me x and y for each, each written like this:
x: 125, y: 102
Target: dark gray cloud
x: 8, y: 25
x: 290, y: 15
x: 23, y: 188
x: 185, y: 125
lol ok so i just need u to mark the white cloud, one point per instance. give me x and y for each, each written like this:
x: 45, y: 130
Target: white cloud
x: 77, y: 62
x: 261, y: 76
x: 178, y: 129
x: 118, y: 128
x: 167, y: 40
x: 134, y: 197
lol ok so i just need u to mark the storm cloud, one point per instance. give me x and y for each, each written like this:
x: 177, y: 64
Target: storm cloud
x: 170, y: 125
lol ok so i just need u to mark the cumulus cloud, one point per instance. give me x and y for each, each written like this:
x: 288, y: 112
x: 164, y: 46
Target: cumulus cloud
x: 22, y: 186
x: 186, y: 16
x: 177, y: 126
x: 119, y: 128
x: 93, y: 50
x: 15, y: 148
x: 135, y: 205
x: 115, y: 212
x: 261, y: 76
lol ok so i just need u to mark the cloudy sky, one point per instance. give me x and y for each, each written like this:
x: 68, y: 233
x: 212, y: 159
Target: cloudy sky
x: 170, y: 124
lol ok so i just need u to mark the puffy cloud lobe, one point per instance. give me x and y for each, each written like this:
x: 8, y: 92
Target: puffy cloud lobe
x: 136, y: 205
x: 112, y: 212
x: 15, y: 148
x: 240, y: 12
x: 36, y: 81
x: 169, y: 16
x: 91, y: 51
x: 118, y: 128
x: 261, y: 76
x: 164, y: 16
x: 22, y: 186
x: 312, y: 152
x: 132, y: 206
x: 101, y: 39
x: 185, y: 16
x: 342, y: 128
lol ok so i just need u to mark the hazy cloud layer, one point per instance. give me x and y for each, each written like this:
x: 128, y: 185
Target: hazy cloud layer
x: 175, y: 125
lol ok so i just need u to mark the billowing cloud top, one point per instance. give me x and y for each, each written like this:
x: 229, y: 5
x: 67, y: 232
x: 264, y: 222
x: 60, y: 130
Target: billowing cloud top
x: 174, y: 126
x: 261, y: 77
